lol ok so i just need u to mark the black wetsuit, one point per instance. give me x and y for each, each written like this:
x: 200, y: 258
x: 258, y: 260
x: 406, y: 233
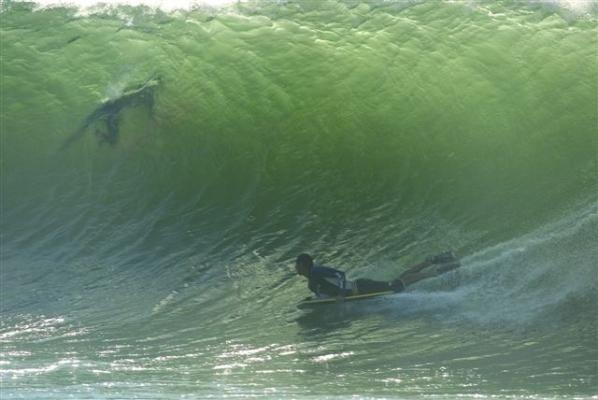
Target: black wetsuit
x: 330, y: 282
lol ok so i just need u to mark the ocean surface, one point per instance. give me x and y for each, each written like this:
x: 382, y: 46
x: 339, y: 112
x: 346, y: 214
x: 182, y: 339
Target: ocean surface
x: 147, y: 252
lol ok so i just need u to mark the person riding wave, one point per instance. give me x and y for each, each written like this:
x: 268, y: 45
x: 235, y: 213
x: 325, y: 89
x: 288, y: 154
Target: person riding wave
x: 329, y: 282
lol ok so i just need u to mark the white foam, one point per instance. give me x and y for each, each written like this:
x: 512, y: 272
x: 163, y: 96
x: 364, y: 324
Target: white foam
x: 518, y: 282
x: 576, y: 6
x: 165, y: 5
x: 527, y: 276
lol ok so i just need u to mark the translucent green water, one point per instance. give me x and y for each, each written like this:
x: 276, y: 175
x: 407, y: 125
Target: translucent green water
x: 370, y: 134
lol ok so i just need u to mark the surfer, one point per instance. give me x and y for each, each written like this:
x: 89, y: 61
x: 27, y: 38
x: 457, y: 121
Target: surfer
x: 109, y: 112
x: 330, y: 282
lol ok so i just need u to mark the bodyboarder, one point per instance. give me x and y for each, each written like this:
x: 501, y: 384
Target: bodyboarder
x: 327, y: 282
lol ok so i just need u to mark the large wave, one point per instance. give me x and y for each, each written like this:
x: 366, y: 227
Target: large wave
x: 162, y: 167
x: 369, y: 133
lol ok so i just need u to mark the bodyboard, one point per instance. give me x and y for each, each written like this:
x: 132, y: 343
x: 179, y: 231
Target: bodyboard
x: 315, y: 302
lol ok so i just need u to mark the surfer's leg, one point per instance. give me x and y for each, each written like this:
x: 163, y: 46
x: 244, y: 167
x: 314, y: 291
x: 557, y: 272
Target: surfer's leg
x: 441, y: 269
x: 447, y: 256
x: 365, y: 286
x: 111, y: 136
x: 409, y: 278
x: 418, y: 267
x: 420, y: 271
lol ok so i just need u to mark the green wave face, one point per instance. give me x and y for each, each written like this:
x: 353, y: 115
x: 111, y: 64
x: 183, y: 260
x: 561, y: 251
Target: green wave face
x: 371, y: 133
x: 484, y: 112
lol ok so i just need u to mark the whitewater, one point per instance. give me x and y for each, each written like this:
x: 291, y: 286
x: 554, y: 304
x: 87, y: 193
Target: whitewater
x: 163, y: 163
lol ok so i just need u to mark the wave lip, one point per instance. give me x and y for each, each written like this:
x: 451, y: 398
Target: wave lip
x: 165, y: 5
x: 574, y: 6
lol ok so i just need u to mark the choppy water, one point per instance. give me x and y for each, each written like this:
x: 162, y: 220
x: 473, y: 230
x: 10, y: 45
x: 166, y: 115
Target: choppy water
x: 371, y: 134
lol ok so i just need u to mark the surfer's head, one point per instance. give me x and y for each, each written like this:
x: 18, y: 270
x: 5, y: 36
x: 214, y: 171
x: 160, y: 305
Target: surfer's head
x: 303, y: 264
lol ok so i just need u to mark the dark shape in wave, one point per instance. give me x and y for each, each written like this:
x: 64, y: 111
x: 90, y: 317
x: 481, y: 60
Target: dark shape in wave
x: 109, y: 112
